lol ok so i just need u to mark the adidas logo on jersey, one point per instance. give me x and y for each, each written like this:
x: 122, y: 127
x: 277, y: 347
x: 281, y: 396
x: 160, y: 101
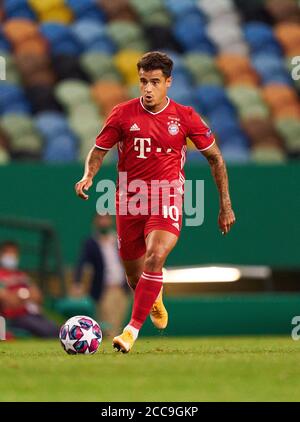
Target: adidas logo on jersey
x: 134, y: 127
x: 176, y: 225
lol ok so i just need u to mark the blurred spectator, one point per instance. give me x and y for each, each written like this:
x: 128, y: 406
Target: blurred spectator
x: 20, y: 299
x: 108, y: 286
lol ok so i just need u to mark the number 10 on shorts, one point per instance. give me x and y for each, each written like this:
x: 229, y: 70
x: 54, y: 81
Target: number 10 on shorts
x: 171, y: 212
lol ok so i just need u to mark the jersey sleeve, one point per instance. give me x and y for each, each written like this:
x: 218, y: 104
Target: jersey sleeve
x: 110, y: 134
x: 198, y: 132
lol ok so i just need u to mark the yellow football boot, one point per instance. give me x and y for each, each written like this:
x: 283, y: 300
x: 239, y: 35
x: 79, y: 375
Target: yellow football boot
x: 159, y: 314
x: 124, y: 342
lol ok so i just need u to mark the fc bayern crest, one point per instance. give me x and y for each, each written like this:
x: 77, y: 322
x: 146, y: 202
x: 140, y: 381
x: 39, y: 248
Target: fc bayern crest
x: 173, y: 127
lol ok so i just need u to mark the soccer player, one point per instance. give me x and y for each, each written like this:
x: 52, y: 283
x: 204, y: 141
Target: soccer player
x: 151, y: 133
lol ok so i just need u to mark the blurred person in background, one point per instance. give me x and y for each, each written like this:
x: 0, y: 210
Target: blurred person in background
x: 20, y: 299
x: 108, y: 285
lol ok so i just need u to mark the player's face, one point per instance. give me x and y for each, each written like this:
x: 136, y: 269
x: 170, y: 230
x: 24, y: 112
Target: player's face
x: 154, y: 86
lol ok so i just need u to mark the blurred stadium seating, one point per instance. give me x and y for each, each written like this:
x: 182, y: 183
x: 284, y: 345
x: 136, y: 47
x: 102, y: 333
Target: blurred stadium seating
x: 70, y: 61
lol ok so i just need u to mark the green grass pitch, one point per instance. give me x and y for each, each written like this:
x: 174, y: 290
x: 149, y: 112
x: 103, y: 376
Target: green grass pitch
x: 157, y: 369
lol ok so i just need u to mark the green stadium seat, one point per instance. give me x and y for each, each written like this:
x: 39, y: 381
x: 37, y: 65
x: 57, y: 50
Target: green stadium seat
x: 87, y: 127
x: 203, y: 68
x: 144, y: 8
x: 267, y: 154
x: 99, y: 66
x: 158, y: 18
x: 72, y: 92
x: 127, y: 35
x: 253, y: 110
x: 17, y: 125
x: 289, y: 129
x: 244, y: 96
x: 84, y: 111
x: 151, y: 12
x: 22, y: 133
x: 4, y: 156
x: 31, y: 143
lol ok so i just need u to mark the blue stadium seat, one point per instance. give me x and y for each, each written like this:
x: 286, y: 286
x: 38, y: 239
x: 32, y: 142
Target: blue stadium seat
x: 18, y: 9
x: 61, y: 38
x: 260, y: 38
x: 176, y: 58
x: 182, y: 7
x: 257, y: 34
x: 270, y: 68
x: 182, y: 77
x: 51, y: 124
x: 235, y: 154
x: 182, y: 94
x: 62, y: 148
x: 91, y: 34
x: 238, y: 140
x: 104, y: 45
x: 12, y: 97
x: 86, y: 9
x: 87, y: 31
x: 266, y: 63
x: 4, y: 45
x: 224, y: 110
x: 210, y: 97
x: 226, y: 128
x: 19, y: 107
x: 190, y: 32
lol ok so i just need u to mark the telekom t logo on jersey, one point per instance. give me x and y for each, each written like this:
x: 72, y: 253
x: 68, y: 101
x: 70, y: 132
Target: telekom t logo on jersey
x: 143, y: 145
x: 140, y: 145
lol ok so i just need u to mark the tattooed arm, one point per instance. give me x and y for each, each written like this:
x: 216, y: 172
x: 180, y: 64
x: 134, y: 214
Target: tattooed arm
x: 226, y: 215
x: 93, y: 163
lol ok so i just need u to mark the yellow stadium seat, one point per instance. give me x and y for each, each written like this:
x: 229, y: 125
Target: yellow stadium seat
x: 60, y: 14
x: 125, y: 61
x: 41, y: 6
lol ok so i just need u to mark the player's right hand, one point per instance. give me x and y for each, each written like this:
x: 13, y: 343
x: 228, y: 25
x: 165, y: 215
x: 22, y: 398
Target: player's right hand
x: 83, y: 185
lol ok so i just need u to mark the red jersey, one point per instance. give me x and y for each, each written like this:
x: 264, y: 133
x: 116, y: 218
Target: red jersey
x: 152, y: 146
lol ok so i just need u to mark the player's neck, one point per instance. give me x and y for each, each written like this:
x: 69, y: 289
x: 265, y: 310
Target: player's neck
x: 157, y: 107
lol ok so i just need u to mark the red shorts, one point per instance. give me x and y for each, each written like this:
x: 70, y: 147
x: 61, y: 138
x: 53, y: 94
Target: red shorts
x: 133, y: 230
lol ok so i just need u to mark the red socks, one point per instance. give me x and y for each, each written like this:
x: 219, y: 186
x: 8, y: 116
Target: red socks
x: 145, y: 294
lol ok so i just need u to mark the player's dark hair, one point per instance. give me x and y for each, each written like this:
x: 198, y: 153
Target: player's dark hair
x: 156, y: 60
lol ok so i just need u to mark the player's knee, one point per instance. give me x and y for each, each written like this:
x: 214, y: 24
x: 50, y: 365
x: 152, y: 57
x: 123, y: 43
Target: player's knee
x: 154, y: 259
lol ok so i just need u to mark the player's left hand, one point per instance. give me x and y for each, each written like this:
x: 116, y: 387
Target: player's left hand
x: 226, y: 220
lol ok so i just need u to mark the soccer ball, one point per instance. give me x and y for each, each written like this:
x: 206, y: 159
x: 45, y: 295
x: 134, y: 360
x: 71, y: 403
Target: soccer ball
x: 80, y: 334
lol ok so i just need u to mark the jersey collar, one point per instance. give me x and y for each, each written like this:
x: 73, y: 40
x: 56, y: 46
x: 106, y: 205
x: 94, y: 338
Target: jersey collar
x: 151, y: 112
